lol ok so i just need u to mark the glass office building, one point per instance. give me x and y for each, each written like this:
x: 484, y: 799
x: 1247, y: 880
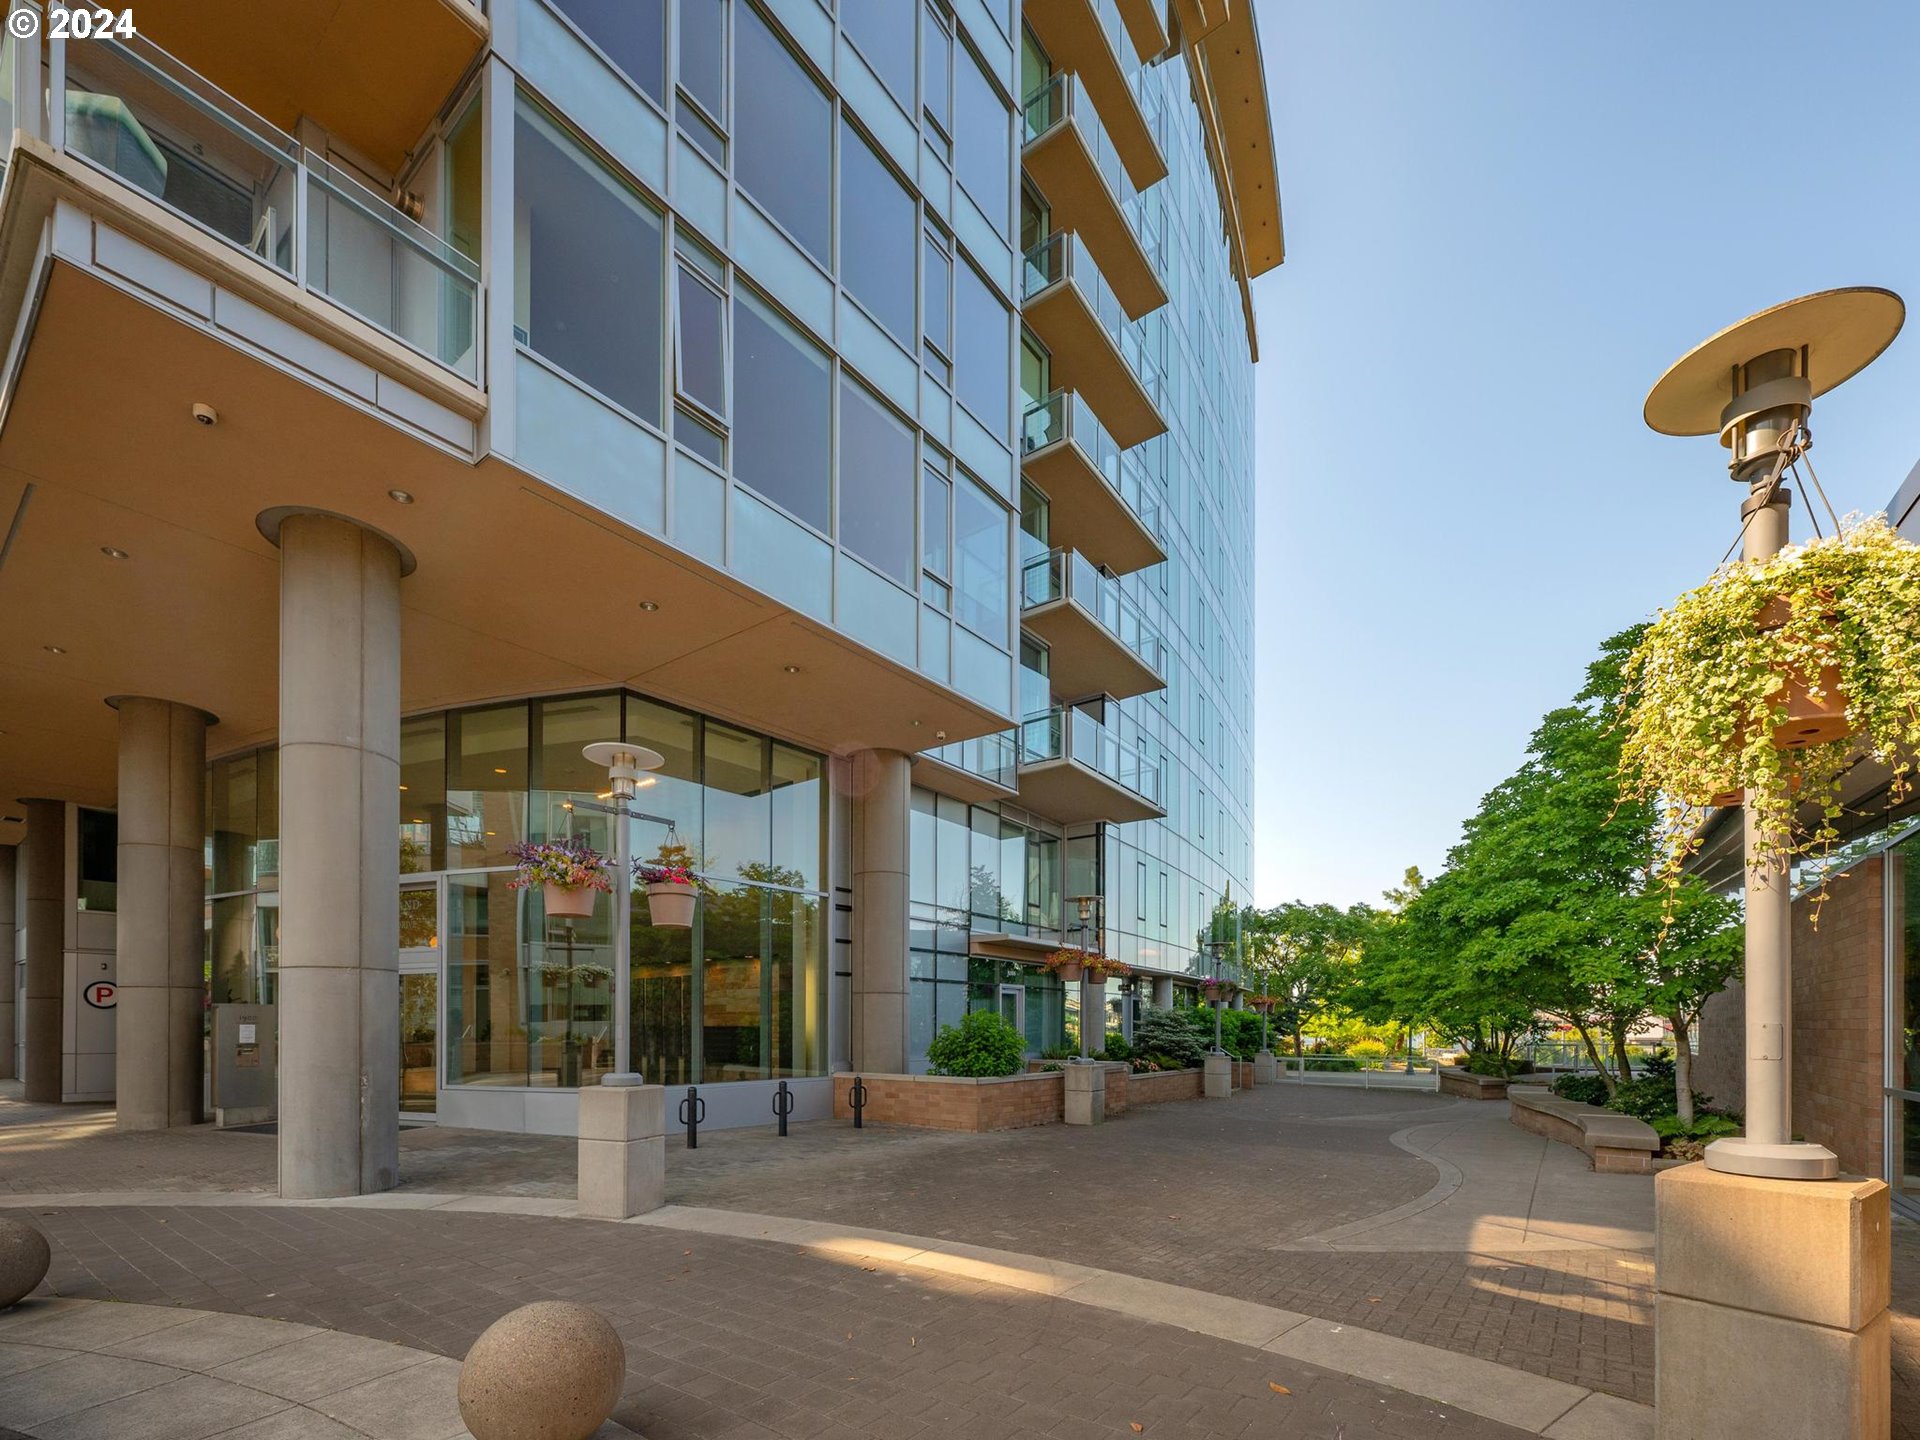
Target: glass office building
x: 849, y: 401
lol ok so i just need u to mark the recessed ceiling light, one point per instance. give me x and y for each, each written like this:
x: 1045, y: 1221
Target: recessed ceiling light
x: 914, y: 723
x: 649, y: 606
x: 499, y: 769
x: 113, y: 552
x: 54, y: 649
x: 403, y: 497
x: 791, y: 669
x: 204, y: 414
x: 403, y: 787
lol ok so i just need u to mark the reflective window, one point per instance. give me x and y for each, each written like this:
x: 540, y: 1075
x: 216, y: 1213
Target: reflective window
x: 783, y: 401
x: 982, y: 352
x: 739, y: 817
x: 935, y: 529
x: 486, y: 784
x: 883, y: 31
x: 423, y: 794
x: 701, y: 348
x: 982, y: 140
x: 703, y: 55
x: 631, y: 33
x: 243, y: 817
x: 876, y: 483
x: 936, y: 283
x: 783, y: 136
x: 588, y: 253
x: 936, y: 89
x: 799, y: 819
x: 876, y: 240
x: 980, y: 561
x: 763, y: 985
x: 563, y: 727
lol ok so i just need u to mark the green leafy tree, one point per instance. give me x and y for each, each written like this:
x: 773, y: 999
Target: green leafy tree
x: 1303, y: 956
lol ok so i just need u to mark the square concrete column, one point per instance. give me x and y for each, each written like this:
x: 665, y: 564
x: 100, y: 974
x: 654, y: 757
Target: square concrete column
x: 46, y: 902
x: 1216, y: 1077
x: 1770, y: 1316
x: 1266, y: 1069
x: 623, y: 1150
x: 159, y: 930
x: 882, y: 801
x: 9, y: 926
x: 1086, y: 1094
x: 339, y: 997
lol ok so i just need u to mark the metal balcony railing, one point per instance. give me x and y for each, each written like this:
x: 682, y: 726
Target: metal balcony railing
x: 135, y: 114
x: 993, y: 758
x: 1065, y: 415
x: 1069, y: 575
x: 1065, y: 733
x: 1063, y: 256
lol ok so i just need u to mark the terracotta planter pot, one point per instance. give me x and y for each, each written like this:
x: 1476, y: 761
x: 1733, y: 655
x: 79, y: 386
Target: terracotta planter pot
x: 1213, y: 994
x: 1809, y: 721
x: 670, y: 904
x: 1071, y: 973
x: 569, y: 904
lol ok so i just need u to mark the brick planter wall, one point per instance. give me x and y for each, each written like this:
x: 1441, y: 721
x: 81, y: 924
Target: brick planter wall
x: 1243, y: 1074
x: 945, y: 1102
x: 1118, y: 1072
x: 1158, y: 1087
x: 1468, y: 1086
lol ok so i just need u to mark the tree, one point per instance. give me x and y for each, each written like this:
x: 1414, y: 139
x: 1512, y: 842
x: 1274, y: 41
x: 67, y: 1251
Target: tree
x: 1302, y: 955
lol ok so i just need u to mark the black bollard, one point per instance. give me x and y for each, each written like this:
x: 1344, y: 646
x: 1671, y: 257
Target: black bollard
x: 692, y: 1111
x: 858, y: 1095
x: 783, y: 1106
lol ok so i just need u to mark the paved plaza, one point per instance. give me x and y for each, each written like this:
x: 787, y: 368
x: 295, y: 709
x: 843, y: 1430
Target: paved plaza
x: 1298, y: 1261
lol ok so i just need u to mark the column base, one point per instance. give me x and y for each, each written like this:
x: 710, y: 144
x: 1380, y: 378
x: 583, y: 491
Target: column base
x: 1266, y: 1069
x: 623, y: 1150
x: 1086, y: 1099
x: 1216, y: 1077
x: 1795, y: 1160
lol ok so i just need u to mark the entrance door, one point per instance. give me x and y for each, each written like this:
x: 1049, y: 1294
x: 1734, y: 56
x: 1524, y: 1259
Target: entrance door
x: 1013, y: 1006
x: 419, y: 998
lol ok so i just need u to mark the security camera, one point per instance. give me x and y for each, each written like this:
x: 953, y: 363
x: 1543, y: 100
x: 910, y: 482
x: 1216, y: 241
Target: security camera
x: 206, y: 414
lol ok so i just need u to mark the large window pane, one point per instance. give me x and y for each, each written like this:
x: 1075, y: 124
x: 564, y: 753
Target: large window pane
x: 673, y: 791
x: 935, y: 530
x: 562, y: 775
x: 782, y: 413
x: 231, y: 811
x: 983, y: 143
x: 739, y: 835
x: 486, y: 784
x: 980, y: 561
x: 486, y: 1037
x: 588, y: 258
x: 631, y: 32
x: 423, y: 794
x: 936, y: 280
x: 569, y: 990
x: 799, y: 819
x: 876, y: 483
x: 938, y: 49
x: 877, y: 239
x: 703, y: 342
x: 662, y: 1001
x: 883, y: 30
x: 983, y: 352
x: 783, y: 136
x: 763, y: 1000
x: 703, y: 54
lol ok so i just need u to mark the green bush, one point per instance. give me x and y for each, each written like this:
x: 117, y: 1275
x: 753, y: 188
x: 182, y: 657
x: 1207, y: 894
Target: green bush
x: 1485, y: 1062
x: 1367, y: 1049
x: 1167, y: 1037
x: 1587, y: 1089
x: 1705, y: 1126
x: 1657, y: 1066
x: 1116, y: 1047
x: 1328, y: 1064
x: 1650, y: 1097
x: 982, y: 1044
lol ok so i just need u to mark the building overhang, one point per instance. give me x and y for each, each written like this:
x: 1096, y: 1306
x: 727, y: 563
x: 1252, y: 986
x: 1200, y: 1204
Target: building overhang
x: 1001, y: 945
x: 1066, y: 791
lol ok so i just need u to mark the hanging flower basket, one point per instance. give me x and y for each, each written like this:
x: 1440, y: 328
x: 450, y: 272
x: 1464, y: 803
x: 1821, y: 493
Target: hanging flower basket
x: 1213, y: 989
x: 1069, y: 965
x: 569, y: 872
x: 671, y: 891
x: 565, y: 904
x: 1102, y: 968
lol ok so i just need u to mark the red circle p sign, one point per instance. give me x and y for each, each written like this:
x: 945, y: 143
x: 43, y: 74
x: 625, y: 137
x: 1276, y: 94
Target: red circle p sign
x: 99, y: 994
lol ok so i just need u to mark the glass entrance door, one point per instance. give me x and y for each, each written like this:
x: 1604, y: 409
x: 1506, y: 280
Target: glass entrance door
x: 419, y: 998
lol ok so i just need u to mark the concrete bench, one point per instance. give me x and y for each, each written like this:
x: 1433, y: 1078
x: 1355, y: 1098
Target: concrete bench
x: 1616, y: 1144
x: 1465, y: 1085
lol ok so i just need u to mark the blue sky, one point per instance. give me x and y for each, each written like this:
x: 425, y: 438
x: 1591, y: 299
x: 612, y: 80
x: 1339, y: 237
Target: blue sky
x: 1504, y: 219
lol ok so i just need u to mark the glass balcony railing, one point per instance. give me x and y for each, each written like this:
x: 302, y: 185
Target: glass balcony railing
x: 1060, y: 97
x: 137, y: 115
x: 1064, y: 415
x: 1065, y: 733
x: 1069, y: 575
x: 993, y: 758
x: 1063, y: 256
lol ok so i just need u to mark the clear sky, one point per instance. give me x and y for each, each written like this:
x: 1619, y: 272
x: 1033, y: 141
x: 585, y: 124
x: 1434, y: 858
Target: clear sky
x: 1504, y: 219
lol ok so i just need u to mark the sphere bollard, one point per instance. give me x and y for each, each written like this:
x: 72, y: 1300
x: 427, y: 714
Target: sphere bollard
x: 24, y: 1258
x: 548, y: 1371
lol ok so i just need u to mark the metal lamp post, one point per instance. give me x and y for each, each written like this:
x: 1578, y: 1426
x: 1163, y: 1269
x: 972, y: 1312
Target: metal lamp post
x: 1085, y: 904
x: 1754, y: 385
x: 1215, y: 950
x: 625, y: 764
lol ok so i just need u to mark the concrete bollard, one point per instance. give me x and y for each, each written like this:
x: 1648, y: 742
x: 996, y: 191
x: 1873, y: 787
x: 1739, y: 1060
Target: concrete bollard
x: 24, y: 1259
x: 1266, y: 1069
x: 623, y: 1150
x: 1086, y: 1094
x: 548, y: 1371
x: 1216, y: 1079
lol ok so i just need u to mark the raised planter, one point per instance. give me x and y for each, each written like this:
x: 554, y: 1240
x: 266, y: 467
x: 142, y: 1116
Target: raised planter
x: 951, y: 1102
x: 1615, y: 1144
x: 1466, y: 1085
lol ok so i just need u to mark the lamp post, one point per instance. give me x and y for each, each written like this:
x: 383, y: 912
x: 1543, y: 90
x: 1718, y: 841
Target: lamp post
x: 1216, y: 949
x: 625, y: 765
x: 1754, y: 385
x: 1086, y: 905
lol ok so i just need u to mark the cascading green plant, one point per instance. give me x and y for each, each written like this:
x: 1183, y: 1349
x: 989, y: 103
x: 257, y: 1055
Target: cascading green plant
x: 1710, y: 683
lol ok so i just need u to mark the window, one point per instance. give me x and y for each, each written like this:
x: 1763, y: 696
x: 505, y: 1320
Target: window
x: 936, y: 55
x: 630, y: 33
x: 935, y: 292
x: 983, y: 142
x: 783, y: 136
x: 703, y: 73
x: 983, y: 358
x: 882, y: 30
x: 700, y: 355
x: 936, y: 532
x: 876, y: 483
x: 588, y: 251
x: 980, y: 561
x: 781, y: 439
x: 876, y: 242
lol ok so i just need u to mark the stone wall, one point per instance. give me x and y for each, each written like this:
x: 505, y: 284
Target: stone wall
x: 1159, y: 1086
x: 1839, y: 1023
x: 945, y: 1102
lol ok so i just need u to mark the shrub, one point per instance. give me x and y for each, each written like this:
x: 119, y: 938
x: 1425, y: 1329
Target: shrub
x: 1060, y: 1052
x: 1367, y: 1049
x: 1168, y: 1037
x: 1587, y: 1089
x: 1651, y: 1097
x: 1116, y: 1047
x: 982, y: 1044
x: 1486, y: 1062
x: 1328, y: 1064
x: 1658, y: 1066
x: 1704, y: 1127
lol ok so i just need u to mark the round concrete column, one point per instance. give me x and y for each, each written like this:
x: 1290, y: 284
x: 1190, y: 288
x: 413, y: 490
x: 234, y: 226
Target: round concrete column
x: 160, y: 940
x: 883, y: 790
x: 1163, y: 992
x: 339, y: 858
x: 9, y: 927
x: 46, y: 892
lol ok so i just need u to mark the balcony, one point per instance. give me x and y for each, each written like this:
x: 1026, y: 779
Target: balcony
x: 1097, y: 504
x: 1098, y: 641
x: 1075, y: 770
x: 978, y: 771
x: 1069, y: 155
x: 1068, y: 303
x: 1089, y: 38
x: 134, y: 117
x: 1200, y: 18
x: 374, y: 73
x: 1146, y: 27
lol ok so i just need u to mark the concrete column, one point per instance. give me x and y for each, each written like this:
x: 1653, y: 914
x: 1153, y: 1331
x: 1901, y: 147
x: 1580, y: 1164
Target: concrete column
x: 623, y: 1150
x: 1086, y: 1097
x: 46, y: 917
x: 9, y: 925
x: 1216, y: 1079
x: 1163, y: 992
x: 339, y: 858
x: 160, y: 938
x: 882, y: 790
